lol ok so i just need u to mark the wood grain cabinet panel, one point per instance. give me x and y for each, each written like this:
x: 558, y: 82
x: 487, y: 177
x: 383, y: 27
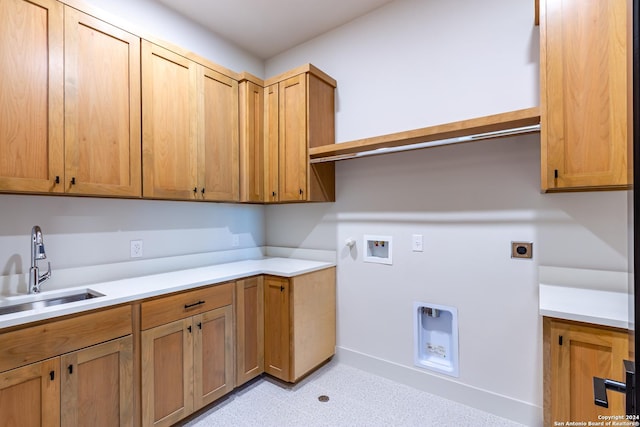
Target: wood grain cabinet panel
x: 219, y: 151
x: 300, y: 323
x: 30, y: 395
x: 169, y: 111
x: 213, y: 355
x: 574, y: 354
x: 249, y: 328
x: 167, y: 373
x: 102, y: 108
x: 585, y: 94
x: 97, y: 385
x: 252, y: 150
x: 32, y: 96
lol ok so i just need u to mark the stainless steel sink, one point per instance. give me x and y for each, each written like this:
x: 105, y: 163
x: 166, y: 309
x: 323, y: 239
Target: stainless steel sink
x: 42, y: 301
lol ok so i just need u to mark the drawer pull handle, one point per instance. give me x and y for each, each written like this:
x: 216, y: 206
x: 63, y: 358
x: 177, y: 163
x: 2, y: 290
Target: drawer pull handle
x: 187, y: 306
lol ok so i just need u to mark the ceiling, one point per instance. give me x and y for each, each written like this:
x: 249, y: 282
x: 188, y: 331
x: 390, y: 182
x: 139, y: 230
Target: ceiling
x: 265, y: 28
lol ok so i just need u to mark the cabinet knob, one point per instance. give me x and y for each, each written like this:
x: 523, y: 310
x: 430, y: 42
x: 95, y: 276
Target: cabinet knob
x: 199, y: 325
x: 52, y: 375
x: 281, y: 288
x: 301, y: 191
x: 195, y: 190
x: 73, y: 180
x: 273, y: 193
x: 70, y: 368
x: 57, y: 180
x: 189, y: 329
x: 202, y: 191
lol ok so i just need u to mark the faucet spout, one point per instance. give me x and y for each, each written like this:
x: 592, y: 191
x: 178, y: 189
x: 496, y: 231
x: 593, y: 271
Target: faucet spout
x: 37, y: 253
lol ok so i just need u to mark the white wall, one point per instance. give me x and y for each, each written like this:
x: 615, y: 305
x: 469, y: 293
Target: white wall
x: 157, y: 20
x: 411, y: 64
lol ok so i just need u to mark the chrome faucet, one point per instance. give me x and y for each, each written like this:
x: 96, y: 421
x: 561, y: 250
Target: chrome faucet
x: 37, y: 253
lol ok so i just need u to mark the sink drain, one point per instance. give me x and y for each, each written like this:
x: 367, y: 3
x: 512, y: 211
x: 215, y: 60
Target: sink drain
x: 323, y: 398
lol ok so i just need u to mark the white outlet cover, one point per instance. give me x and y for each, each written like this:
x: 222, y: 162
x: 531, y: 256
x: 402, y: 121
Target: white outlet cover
x: 136, y: 248
x: 235, y: 240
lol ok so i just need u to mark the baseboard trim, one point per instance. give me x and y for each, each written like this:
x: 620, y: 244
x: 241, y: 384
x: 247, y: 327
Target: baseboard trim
x: 502, y: 406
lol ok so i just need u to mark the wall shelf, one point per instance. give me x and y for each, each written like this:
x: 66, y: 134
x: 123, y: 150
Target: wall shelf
x: 481, y: 128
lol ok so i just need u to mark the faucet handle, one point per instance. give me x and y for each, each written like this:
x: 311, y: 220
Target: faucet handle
x: 47, y: 275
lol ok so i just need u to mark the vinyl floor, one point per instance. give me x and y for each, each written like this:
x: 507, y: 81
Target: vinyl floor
x: 356, y: 399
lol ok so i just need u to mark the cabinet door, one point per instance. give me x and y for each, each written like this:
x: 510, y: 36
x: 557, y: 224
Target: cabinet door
x: 249, y: 329
x: 585, y: 113
x: 169, y: 124
x: 31, y: 96
x: 30, y: 396
x: 578, y: 353
x: 272, y: 135
x: 251, y: 142
x: 292, y: 146
x: 167, y: 373
x: 97, y: 385
x: 313, y: 320
x: 213, y: 355
x: 102, y: 108
x: 277, y: 336
x: 218, y: 156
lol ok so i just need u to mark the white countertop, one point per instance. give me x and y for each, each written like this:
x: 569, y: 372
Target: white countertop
x: 585, y: 305
x: 599, y: 297
x: 127, y: 290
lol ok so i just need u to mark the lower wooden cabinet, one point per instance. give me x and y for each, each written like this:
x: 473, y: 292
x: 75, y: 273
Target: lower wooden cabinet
x: 573, y: 354
x: 76, y: 371
x: 90, y: 387
x: 249, y: 328
x: 186, y: 363
x: 300, y: 323
x: 30, y: 395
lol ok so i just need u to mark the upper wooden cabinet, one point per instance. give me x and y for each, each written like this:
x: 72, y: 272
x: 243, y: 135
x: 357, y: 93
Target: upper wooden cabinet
x: 299, y: 114
x: 32, y: 96
x: 585, y: 94
x: 252, y: 154
x: 76, y: 131
x: 102, y: 108
x: 169, y: 139
x: 190, y: 129
x: 219, y: 137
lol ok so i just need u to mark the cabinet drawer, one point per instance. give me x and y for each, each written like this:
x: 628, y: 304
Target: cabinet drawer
x: 178, y: 306
x: 31, y: 344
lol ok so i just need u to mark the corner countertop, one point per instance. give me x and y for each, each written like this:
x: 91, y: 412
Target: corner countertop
x: 137, y: 288
x: 590, y: 296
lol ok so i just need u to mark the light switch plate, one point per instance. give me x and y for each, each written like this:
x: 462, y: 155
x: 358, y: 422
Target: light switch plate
x: 416, y: 243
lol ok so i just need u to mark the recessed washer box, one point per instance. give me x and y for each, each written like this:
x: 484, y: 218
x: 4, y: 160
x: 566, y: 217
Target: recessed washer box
x: 378, y: 249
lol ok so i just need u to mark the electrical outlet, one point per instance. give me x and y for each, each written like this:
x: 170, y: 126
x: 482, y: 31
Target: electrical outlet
x: 235, y: 240
x: 416, y: 243
x: 136, y: 248
x: 521, y: 249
